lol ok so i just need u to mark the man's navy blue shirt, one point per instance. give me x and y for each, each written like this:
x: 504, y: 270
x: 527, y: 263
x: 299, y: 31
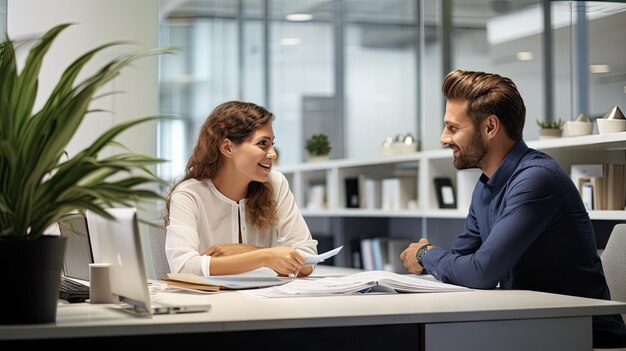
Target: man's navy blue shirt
x: 527, y: 228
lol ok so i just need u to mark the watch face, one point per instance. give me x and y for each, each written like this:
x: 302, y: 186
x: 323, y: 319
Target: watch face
x: 420, y: 253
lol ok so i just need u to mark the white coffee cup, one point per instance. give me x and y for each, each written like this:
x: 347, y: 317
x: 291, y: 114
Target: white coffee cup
x: 100, y: 283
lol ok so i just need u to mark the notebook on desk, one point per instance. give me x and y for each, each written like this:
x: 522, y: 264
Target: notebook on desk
x: 117, y: 242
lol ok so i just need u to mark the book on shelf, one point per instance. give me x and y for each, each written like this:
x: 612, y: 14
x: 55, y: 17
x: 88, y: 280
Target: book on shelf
x: 396, y: 192
x: 602, y: 187
x: 380, y: 253
x: 362, y: 192
x: 371, y: 194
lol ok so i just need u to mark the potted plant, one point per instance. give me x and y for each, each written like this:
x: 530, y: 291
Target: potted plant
x: 550, y: 129
x: 318, y: 147
x: 40, y: 182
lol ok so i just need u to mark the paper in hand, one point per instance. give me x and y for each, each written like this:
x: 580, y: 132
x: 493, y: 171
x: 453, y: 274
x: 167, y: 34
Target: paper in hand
x: 315, y: 259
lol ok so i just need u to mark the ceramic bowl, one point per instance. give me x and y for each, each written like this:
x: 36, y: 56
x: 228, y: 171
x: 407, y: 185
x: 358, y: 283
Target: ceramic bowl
x: 576, y: 128
x: 611, y: 125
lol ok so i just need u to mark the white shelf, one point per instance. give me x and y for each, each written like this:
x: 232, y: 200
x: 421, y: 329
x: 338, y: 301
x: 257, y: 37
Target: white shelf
x: 424, y: 166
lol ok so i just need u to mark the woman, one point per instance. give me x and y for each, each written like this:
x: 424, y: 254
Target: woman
x: 231, y: 213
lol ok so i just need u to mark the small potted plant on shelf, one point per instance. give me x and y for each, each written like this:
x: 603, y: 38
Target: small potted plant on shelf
x: 550, y: 129
x: 40, y: 182
x: 318, y: 147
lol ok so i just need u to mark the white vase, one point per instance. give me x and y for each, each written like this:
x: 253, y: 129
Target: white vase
x: 549, y: 133
x: 318, y: 158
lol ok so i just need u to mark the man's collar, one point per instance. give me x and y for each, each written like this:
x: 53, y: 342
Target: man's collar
x: 506, y: 167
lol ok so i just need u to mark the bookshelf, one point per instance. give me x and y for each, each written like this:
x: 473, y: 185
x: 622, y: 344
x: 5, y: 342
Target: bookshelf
x: 423, y: 166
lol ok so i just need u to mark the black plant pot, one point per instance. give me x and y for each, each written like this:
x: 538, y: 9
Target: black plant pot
x: 30, y: 284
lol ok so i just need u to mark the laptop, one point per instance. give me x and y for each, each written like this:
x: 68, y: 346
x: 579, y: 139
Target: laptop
x: 78, y: 255
x: 117, y: 241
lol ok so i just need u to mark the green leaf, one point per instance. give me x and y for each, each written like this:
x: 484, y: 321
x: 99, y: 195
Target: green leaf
x: 39, y: 181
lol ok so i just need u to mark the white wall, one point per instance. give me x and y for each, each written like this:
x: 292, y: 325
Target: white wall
x: 98, y: 22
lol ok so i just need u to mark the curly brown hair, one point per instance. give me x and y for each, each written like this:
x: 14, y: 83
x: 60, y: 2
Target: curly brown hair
x: 237, y: 121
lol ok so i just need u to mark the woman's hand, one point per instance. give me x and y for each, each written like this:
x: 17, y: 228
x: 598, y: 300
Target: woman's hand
x: 229, y: 249
x: 283, y: 260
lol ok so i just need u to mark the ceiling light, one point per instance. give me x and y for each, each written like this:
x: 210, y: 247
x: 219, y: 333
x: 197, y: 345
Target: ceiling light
x: 299, y: 17
x: 525, y: 56
x: 600, y: 68
x: 290, y: 41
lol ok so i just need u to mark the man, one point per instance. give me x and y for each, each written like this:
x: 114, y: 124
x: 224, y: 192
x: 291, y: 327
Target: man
x: 527, y: 227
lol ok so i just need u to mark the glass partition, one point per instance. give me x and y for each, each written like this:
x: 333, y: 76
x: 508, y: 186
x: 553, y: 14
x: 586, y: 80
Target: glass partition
x: 363, y: 70
x: 3, y: 17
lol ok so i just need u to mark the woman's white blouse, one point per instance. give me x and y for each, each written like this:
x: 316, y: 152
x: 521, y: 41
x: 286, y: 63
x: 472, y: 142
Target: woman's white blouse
x: 201, y: 216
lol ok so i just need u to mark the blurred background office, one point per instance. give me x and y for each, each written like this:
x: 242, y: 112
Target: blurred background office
x: 362, y: 70
x: 356, y: 70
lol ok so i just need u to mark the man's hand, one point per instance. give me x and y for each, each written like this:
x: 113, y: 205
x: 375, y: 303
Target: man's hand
x: 408, y: 256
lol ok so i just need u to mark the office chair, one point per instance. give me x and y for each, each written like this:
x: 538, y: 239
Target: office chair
x: 157, y: 245
x: 614, y: 264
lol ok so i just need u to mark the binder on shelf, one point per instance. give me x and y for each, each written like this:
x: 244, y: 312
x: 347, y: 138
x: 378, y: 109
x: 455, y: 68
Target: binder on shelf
x: 607, y: 188
x: 353, y: 193
x: 371, y: 194
x: 397, y: 192
x: 578, y: 171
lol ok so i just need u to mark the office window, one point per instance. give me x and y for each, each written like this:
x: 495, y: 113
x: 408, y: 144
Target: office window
x: 589, y: 51
x: 302, y: 82
x: 380, y: 73
x: 334, y: 67
x: 3, y: 17
x: 202, y: 73
x: 342, y: 66
x: 503, y: 37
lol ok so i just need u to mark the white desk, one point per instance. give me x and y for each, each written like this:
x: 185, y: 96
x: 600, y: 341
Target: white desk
x: 477, y: 320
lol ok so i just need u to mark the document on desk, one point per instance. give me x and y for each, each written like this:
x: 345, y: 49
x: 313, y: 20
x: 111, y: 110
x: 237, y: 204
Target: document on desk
x: 259, y: 278
x: 356, y: 283
x: 315, y: 259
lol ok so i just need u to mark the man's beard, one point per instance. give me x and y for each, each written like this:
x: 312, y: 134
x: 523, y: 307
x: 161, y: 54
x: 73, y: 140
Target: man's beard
x: 472, y: 155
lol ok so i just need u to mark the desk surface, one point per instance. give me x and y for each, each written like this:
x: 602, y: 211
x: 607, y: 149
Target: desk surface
x: 233, y: 311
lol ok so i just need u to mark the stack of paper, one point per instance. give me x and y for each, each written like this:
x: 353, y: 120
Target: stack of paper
x: 362, y: 282
x: 258, y: 278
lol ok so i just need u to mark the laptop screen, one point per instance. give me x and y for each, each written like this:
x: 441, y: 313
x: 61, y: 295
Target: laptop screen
x: 117, y: 242
x: 78, y: 254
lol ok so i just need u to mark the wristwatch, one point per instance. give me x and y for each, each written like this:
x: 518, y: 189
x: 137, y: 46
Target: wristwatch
x: 420, y: 253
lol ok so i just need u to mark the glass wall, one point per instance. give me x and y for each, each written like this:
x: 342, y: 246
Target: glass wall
x: 364, y: 70
x: 380, y: 42
x: 3, y: 17
x: 322, y: 66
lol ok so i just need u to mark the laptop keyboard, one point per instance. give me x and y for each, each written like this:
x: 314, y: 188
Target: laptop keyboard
x: 72, y: 291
